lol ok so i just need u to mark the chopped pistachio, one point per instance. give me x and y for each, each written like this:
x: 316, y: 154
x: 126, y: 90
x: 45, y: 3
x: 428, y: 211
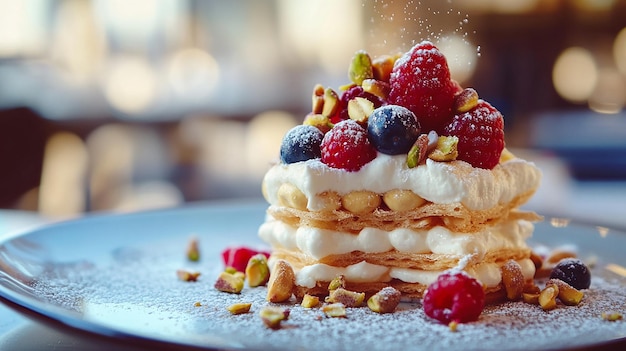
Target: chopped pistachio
x: 281, y: 283
x: 360, y: 67
x: 346, y: 86
x: 257, y: 271
x: 417, y: 153
x: 240, y: 275
x: 335, y: 310
x: 310, y: 301
x: 547, y: 297
x: 531, y: 298
x: 187, y: 276
x: 446, y: 149
x: 193, y: 251
x: 360, y: 109
x: 376, y: 87
x: 382, y: 67
x: 230, y: 270
x: 319, y: 121
x: 346, y: 297
x: 273, y: 316
x: 239, y: 308
x: 229, y: 283
x: 612, y: 316
x: 338, y: 282
x: 384, y: 301
x: 413, y: 157
x: 317, y: 99
x: 465, y: 100
x: 568, y: 295
x: 331, y: 102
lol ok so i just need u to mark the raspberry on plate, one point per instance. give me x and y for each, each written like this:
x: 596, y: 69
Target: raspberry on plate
x: 301, y: 143
x: 420, y: 81
x: 454, y: 297
x: 346, y: 146
x: 238, y: 257
x: 481, y: 135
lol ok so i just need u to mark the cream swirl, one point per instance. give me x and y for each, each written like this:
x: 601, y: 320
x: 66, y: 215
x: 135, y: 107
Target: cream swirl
x: 488, y: 273
x: 438, y: 182
x: 318, y: 243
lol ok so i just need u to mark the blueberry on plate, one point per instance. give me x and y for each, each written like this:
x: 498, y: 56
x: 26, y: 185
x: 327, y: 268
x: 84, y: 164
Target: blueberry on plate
x: 572, y: 271
x: 301, y: 143
x: 393, y: 129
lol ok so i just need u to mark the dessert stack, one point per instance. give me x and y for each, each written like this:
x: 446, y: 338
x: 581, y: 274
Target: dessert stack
x: 395, y: 178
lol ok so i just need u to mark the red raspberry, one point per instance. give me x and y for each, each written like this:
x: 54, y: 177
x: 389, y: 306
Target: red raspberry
x: 346, y: 146
x: 454, y: 297
x: 481, y: 135
x: 420, y: 81
x: 238, y: 257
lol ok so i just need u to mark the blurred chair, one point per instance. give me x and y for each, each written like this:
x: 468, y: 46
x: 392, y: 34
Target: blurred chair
x: 23, y: 135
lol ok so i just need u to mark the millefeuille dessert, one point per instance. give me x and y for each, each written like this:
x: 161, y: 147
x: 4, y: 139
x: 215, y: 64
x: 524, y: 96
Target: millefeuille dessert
x: 401, y: 177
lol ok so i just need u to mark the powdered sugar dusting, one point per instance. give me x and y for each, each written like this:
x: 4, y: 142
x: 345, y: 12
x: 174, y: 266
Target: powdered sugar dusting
x: 302, y: 136
x: 141, y: 295
x: 399, y: 25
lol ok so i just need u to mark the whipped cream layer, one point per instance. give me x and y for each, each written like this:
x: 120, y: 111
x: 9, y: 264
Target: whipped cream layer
x: 488, y: 274
x: 318, y: 243
x: 438, y: 182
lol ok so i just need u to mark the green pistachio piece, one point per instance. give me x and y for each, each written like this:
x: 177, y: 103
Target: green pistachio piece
x: 417, y: 153
x: 257, y: 271
x: 229, y: 283
x: 446, y: 149
x: 360, y: 67
x: 338, y: 282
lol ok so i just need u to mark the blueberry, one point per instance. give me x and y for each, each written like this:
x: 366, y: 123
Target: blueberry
x: 301, y: 143
x: 393, y: 129
x: 572, y: 271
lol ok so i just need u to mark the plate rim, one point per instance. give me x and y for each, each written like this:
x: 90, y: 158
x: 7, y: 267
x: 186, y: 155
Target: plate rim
x: 57, y: 317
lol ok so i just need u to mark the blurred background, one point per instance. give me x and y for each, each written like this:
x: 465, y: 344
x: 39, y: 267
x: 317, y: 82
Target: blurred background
x: 113, y: 105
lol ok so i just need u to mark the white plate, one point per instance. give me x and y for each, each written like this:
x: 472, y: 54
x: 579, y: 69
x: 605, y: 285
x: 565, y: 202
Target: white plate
x: 113, y: 276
